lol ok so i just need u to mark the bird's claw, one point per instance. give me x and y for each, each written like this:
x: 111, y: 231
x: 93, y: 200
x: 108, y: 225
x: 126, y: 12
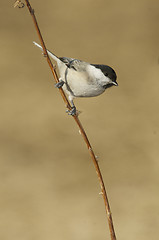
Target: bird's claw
x: 59, y: 84
x: 72, y: 112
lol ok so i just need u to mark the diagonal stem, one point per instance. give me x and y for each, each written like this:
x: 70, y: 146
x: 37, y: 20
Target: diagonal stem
x: 101, y: 181
x: 31, y: 10
x: 82, y: 131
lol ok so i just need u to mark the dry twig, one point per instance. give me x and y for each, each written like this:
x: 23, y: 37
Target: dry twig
x: 82, y: 131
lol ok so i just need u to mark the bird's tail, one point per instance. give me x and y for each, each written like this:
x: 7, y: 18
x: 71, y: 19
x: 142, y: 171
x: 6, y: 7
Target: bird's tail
x: 53, y: 56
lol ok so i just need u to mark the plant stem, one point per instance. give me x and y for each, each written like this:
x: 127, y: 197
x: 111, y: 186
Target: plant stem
x: 82, y: 131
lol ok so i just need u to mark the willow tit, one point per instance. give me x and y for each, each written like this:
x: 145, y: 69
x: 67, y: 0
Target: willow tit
x: 82, y: 79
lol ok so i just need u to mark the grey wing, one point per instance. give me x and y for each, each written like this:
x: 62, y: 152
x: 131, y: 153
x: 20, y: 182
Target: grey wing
x: 66, y: 60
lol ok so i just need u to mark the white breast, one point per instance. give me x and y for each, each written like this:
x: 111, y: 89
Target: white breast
x: 88, y: 83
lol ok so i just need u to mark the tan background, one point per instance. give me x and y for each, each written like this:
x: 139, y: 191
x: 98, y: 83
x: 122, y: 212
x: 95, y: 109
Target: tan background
x: 48, y: 185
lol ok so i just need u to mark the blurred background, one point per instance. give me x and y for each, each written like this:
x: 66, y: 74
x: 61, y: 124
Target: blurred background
x: 48, y: 184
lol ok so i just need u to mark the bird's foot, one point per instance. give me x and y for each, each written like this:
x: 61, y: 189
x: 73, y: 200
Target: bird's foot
x: 72, y: 112
x: 59, y: 84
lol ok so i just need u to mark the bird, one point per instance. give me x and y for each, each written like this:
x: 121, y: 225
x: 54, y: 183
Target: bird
x: 82, y: 79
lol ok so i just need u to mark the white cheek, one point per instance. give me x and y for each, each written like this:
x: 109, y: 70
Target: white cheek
x: 97, y: 74
x: 94, y: 72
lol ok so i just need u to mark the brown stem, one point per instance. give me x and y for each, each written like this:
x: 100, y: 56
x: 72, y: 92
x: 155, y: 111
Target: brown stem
x: 101, y: 182
x: 82, y: 131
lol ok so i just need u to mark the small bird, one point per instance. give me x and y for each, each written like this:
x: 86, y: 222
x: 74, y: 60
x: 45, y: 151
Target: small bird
x: 82, y: 79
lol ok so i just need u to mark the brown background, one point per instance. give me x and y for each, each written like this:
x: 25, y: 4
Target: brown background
x: 48, y: 185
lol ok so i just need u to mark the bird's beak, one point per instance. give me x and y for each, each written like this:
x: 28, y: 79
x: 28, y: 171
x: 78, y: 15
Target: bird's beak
x: 115, y: 83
